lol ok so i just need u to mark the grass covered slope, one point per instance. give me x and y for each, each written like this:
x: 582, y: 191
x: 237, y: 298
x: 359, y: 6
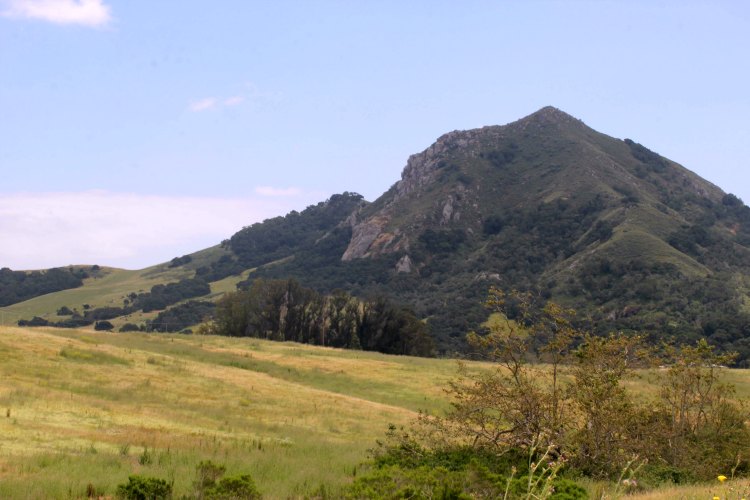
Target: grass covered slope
x: 109, y: 286
x: 84, y: 407
x: 83, y: 410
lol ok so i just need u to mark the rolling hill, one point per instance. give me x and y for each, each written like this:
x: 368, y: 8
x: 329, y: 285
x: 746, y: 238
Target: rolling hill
x: 632, y: 240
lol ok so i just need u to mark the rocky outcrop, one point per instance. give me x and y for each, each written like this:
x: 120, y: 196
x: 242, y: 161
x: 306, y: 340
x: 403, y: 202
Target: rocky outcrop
x: 363, y: 236
x: 421, y: 168
x: 369, y: 236
x: 404, y: 265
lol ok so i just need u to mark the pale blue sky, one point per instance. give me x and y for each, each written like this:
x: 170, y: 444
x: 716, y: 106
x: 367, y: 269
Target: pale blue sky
x: 142, y: 105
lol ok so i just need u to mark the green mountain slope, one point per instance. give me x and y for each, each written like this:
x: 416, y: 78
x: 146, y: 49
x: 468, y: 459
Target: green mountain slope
x: 629, y: 238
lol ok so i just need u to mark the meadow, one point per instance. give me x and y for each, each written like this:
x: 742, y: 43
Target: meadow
x: 82, y: 410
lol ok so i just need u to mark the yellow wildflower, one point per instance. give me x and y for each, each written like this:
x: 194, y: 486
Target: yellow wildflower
x: 722, y: 478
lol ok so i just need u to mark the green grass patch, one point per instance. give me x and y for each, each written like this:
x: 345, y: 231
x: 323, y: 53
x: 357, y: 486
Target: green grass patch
x: 91, y: 356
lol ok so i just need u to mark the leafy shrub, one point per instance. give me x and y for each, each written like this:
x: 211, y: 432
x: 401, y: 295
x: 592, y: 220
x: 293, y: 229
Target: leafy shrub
x: 459, y: 473
x: 492, y: 225
x: 35, y: 321
x: 180, y: 261
x: 234, y: 488
x: 209, y: 484
x: 500, y: 158
x: 64, y: 311
x: 442, y: 241
x: 103, y: 326
x: 144, y: 488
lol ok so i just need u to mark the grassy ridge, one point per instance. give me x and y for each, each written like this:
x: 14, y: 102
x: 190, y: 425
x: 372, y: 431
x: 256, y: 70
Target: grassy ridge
x: 111, y: 286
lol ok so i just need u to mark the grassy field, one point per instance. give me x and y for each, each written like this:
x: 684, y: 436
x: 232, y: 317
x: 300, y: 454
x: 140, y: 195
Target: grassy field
x: 82, y: 410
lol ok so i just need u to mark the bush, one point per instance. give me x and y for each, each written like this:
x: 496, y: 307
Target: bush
x: 235, y: 488
x: 144, y: 488
x: 64, y: 311
x: 103, y: 326
x: 35, y: 321
x: 209, y: 485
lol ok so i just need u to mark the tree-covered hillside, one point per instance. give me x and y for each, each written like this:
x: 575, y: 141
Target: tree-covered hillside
x: 630, y: 239
x: 17, y: 286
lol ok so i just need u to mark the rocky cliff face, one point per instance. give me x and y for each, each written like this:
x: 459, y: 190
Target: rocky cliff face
x: 458, y: 180
x: 371, y: 235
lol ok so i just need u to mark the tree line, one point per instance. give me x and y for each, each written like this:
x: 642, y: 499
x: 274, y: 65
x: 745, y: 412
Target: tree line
x: 286, y: 311
x: 17, y: 286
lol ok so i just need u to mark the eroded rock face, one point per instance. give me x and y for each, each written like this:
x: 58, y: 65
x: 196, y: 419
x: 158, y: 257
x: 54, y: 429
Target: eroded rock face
x: 369, y: 236
x: 421, y: 168
x: 404, y: 265
x: 447, y: 210
x: 363, y: 235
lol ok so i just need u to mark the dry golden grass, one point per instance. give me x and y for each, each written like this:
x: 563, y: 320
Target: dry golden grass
x: 732, y: 489
x: 80, y: 408
x: 292, y: 416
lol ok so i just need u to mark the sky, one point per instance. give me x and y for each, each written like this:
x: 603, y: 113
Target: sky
x: 134, y: 131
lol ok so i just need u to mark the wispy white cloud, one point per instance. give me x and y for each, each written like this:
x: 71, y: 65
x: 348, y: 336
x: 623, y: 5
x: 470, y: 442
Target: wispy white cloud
x: 123, y: 230
x: 278, y: 192
x: 250, y: 95
x: 234, y: 100
x: 210, y: 103
x: 204, y: 104
x: 93, y: 13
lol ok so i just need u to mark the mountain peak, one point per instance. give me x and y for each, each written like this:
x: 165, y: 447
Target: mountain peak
x: 550, y: 115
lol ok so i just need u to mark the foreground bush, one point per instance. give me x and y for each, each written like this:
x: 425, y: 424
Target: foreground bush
x: 210, y: 485
x: 404, y: 468
x: 144, y: 488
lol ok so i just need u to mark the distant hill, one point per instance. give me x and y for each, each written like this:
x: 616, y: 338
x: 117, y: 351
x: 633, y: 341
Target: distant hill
x: 17, y: 286
x: 631, y: 239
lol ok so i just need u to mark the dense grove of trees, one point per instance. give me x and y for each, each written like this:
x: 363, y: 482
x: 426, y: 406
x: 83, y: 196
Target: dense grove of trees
x: 17, y: 286
x: 226, y: 265
x: 307, y: 233
x: 180, y: 261
x: 284, y: 310
x: 281, y: 236
x: 162, y: 296
x: 181, y: 316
